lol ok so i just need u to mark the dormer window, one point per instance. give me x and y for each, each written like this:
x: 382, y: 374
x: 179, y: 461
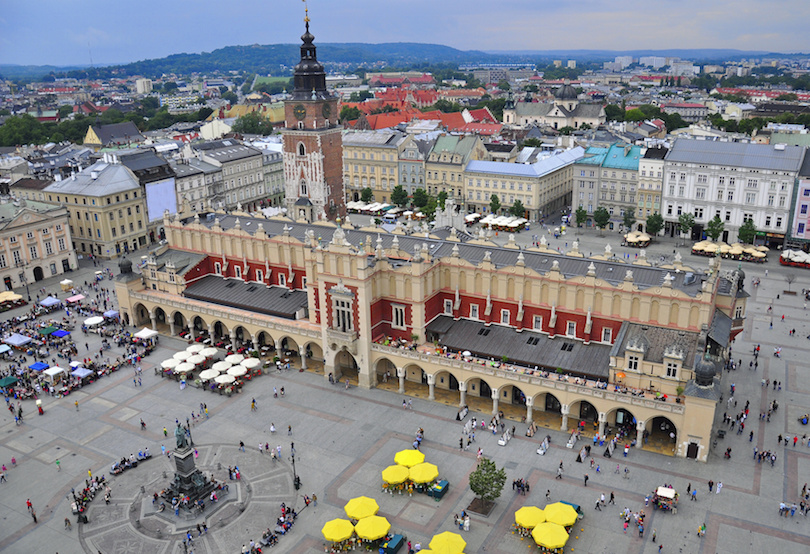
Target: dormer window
x: 302, y: 151
x: 632, y: 363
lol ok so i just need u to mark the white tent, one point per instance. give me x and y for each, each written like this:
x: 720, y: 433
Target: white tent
x: 146, y: 333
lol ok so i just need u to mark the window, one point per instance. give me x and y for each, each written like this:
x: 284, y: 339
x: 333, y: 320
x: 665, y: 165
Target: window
x: 607, y: 335
x: 282, y: 279
x: 48, y: 248
x: 33, y: 250
x: 571, y: 329
x: 398, y: 317
x: 778, y: 222
x: 537, y: 323
x: 750, y: 197
x: 473, y: 311
x: 698, y: 213
x: 30, y: 235
x: 700, y: 193
x: 343, y: 315
x: 259, y: 275
x: 448, y: 307
x: 16, y: 257
x: 217, y: 268
x: 632, y: 363
x: 3, y: 260
x: 237, y: 271
x: 505, y: 317
x: 767, y: 221
x: 730, y: 196
x: 672, y: 369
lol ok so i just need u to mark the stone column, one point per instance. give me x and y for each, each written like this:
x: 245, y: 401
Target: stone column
x: 153, y: 317
x: 529, y: 411
x: 431, y: 379
x: 211, y: 333
x: 255, y: 340
x: 191, y: 332
x: 303, y: 353
x: 462, y: 390
x: 329, y: 370
x: 401, y: 377
x: 171, y: 328
x: 233, y: 339
x: 495, y: 398
x: 564, y: 410
x: 639, y: 434
x: 602, y: 422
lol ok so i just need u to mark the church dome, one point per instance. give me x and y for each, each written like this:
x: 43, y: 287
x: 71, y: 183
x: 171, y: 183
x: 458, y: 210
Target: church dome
x: 125, y: 266
x: 704, y: 371
x: 566, y: 92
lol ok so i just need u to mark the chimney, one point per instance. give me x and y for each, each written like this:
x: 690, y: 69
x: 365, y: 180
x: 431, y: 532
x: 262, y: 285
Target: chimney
x: 94, y: 174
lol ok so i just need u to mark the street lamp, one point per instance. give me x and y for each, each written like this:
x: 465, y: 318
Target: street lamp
x: 296, y: 479
x: 23, y: 279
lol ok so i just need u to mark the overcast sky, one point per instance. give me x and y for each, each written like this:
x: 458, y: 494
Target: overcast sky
x: 62, y: 32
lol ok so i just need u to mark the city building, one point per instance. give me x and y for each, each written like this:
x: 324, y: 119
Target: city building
x: 565, y: 111
x: 195, y: 181
x: 371, y: 160
x: 734, y: 181
x: 689, y: 111
x: 143, y: 86
x: 608, y: 178
x: 543, y: 187
x: 106, y: 208
x: 35, y: 243
x: 116, y: 135
x: 273, y: 163
x: 799, y: 224
x: 242, y: 170
x: 412, y: 158
x: 156, y: 178
x: 445, y: 164
x: 650, y: 183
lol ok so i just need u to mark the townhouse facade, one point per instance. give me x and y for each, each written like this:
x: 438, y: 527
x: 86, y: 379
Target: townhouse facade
x: 608, y: 178
x: 371, y: 160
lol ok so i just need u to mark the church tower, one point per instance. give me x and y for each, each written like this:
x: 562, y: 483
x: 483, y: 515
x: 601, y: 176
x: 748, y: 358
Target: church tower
x: 313, y: 145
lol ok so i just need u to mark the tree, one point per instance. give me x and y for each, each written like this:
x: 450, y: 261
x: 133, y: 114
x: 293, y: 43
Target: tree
x: 420, y: 198
x: 399, y: 196
x: 532, y: 142
x: 517, y: 209
x: 494, y: 204
x: 430, y: 208
x: 503, y: 84
x: 788, y: 97
x: 629, y: 219
x: 445, y: 106
x: 715, y: 228
x: 614, y: 112
x: 487, y: 481
x: 581, y: 216
x: 567, y: 130
x: 366, y: 194
x: 360, y: 96
x: 440, y: 199
x: 747, y: 232
x: 654, y: 224
x: 350, y: 113
x: 65, y: 111
x: 253, y: 124
x: 601, y: 218
x: 686, y: 222
x: 789, y: 278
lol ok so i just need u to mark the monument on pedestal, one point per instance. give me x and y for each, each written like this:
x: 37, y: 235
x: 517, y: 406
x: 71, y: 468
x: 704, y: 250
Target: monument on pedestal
x: 188, y: 480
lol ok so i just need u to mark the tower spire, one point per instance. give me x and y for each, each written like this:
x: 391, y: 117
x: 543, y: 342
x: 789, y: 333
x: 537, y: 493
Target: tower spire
x: 306, y: 14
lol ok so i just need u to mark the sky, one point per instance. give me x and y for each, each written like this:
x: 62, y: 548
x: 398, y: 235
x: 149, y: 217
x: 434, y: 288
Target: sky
x: 60, y: 32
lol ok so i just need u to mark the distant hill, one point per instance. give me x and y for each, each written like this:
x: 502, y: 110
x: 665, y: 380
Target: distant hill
x: 279, y: 58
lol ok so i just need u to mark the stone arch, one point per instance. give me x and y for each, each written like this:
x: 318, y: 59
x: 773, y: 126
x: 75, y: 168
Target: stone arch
x: 264, y: 339
x: 580, y: 305
x: 621, y: 421
x: 415, y: 379
x: 383, y: 366
x: 546, y: 410
x: 616, y: 308
x: 445, y: 380
x: 635, y: 308
x: 287, y: 347
x: 200, y: 325
x: 694, y: 317
x: 582, y: 412
x: 654, y: 310
x: 462, y: 280
x: 313, y: 351
x: 179, y: 320
x: 140, y: 315
x: 510, y: 289
x: 160, y: 315
x: 242, y: 335
x: 478, y: 387
x: 674, y: 312
x: 220, y: 331
x: 346, y: 365
x: 660, y: 435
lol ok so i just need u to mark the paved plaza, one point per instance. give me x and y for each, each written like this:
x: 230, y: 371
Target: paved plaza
x: 344, y: 438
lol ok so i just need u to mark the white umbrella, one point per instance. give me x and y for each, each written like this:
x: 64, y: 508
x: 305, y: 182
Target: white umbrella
x: 171, y: 363
x: 250, y: 363
x: 182, y: 355
x: 235, y: 358
x: 237, y: 371
x: 196, y: 359
x: 195, y: 348
x: 225, y: 379
x: 466, y: 353
x: 209, y: 352
x: 222, y: 366
x: 184, y: 367
x: 209, y: 374
x: 93, y: 321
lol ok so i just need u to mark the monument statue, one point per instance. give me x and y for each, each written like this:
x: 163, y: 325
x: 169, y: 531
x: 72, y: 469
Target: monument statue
x: 180, y: 437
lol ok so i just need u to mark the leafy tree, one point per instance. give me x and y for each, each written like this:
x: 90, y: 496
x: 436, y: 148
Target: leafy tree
x: 420, y: 198
x: 747, y: 232
x: 517, y: 209
x: 445, y: 106
x: 399, y: 196
x: 532, y: 143
x: 601, y: 218
x: 584, y: 127
x: 350, y: 113
x: 171, y: 86
x: 388, y: 108
x: 430, y: 208
x: 581, y: 216
x: 253, y: 124
x: 503, y: 84
x: 150, y: 103
x: 230, y: 97
x: 360, y: 96
x: 366, y: 194
x: 685, y: 222
x: 531, y: 88
x: 788, y: 97
x: 22, y: 129
x: 441, y: 198
x: 614, y: 112
x: 487, y: 481
x: 629, y: 218
x: 65, y: 111
x: 567, y: 130
x: 715, y: 228
x: 494, y: 204
x: 635, y: 115
x: 654, y: 224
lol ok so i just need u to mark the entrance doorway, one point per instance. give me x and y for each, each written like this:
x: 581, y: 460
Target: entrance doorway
x: 39, y: 275
x: 7, y: 281
x: 692, y: 450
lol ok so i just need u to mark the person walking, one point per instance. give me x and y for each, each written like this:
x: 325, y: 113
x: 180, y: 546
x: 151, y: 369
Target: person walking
x: 34, y: 515
x: 253, y: 405
x: 58, y: 465
x: 612, y: 498
x: 68, y: 526
x: 719, y: 486
x: 598, y: 505
x: 586, y: 479
x: 711, y: 484
x: 653, y: 535
x: 76, y: 403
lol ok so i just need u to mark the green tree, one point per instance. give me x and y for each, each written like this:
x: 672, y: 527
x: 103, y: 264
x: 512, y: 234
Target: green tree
x: 788, y: 97
x: 503, y: 84
x: 487, y: 481
x: 685, y: 222
x: 230, y: 97
x: 517, y: 209
x: 445, y: 106
x: 494, y: 204
x: 399, y: 196
x: 430, y: 208
x: 22, y: 129
x: 715, y: 228
x: 635, y: 114
x: 420, y: 198
x: 629, y: 219
x: 567, y: 130
x: 614, y: 112
x: 65, y: 111
x: 601, y: 218
x: 253, y: 124
x: 441, y: 198
x: 532, y: 143
x: 581, y: 216
x: 360, y: 96
x: 350, y: 113
x: 366, y: 195
x: 747, y: 232
x: 654, y: 224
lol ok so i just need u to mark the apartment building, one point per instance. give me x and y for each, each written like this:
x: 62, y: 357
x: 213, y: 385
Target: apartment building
x: 371, y: 160
x: 446, y: 162
x: 650, y: 183
x: 607, y: 177
x: 242, y: 181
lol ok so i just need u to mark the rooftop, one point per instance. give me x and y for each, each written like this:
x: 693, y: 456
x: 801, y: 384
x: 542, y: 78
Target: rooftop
x: 250, y: 296
x: 771, y: 157
x: 100, y: 179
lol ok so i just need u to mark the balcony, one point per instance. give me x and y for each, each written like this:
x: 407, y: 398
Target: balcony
x: 340, y: 339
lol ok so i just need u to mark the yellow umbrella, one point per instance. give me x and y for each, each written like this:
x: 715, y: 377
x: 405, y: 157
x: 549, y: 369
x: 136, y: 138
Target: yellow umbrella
x: 561, y: 514
x: 711, y: 247
x: 372, y: 528
x: 550, y: 535
x: 424, y: 473
x: 395, y: 474
x: 529, y: 517
x: 360, y: 507
x: 698, y: 246
x: 447, y: 543
x: 337, y: 530
x: 409, y: 458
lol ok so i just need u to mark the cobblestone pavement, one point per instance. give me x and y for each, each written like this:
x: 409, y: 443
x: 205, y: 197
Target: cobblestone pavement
x: 344, y: 438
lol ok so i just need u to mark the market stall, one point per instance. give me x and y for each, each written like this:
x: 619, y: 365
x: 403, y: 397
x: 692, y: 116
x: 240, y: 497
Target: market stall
x: 665, y: 498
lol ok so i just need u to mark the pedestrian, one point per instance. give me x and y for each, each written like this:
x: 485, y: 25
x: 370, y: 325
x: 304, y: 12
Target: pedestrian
x: 719, y: 486
x: 689, y: 488
x: 289, y: 430
x: 314, y: 500
x: 586, y: 479
x: 34, y: 515
x: 253, y: 405
x: 90, y: 474
x: 653, y: 535
x: 548, y: 494
x: 559, y: 473
x: 461, y: 443
x: 347, y: 384
x: 76, y: 403
x: 29, y: 505
x: 68, y: 526
x: 165, y: 432
x: 660, y: 546
x: 612, y: 498
x: 711, y: 484
x: 597, y: 506
x: 694, y: 495
x: 241, y: 446
x: 58, y: 465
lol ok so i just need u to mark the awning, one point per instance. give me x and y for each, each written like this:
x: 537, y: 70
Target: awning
x: 76, y: 298
x: 146, y: 333
x: 111, y: 313
x: 38, y: 366
x: 45, y: 331
x: 55, y: 370
x: 81, y: 372
x: 4, y: 348
x: 94, y: 320
x: 59, y: 333
x: 49, y: 301
x: 8, y: 381
x: 17, y: 340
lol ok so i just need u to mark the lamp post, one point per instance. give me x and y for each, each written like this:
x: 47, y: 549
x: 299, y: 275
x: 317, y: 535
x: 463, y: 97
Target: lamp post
x: 296, y: 479
x: 24, y: 279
